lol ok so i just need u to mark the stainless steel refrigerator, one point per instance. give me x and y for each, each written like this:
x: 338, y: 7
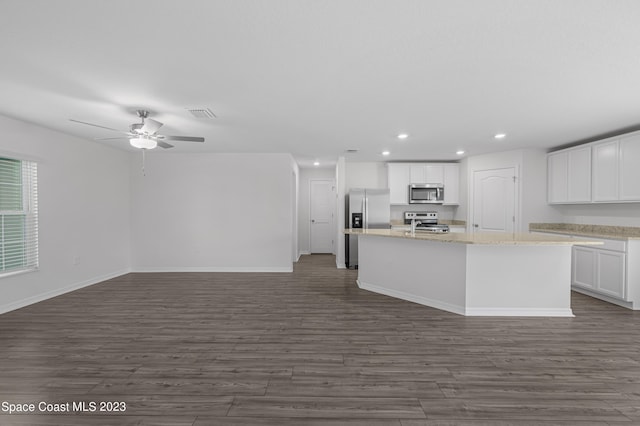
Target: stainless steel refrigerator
x: 368, y: 209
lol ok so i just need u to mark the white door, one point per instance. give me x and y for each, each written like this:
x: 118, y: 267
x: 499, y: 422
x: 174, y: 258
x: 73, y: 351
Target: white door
x: 494, y: 200
x: 321, y: 216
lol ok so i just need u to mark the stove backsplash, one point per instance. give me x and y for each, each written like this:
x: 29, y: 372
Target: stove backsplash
x: 444, y: 212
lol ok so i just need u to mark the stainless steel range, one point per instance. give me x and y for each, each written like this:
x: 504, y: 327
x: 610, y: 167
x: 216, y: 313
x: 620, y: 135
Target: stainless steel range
x: 425, y: 222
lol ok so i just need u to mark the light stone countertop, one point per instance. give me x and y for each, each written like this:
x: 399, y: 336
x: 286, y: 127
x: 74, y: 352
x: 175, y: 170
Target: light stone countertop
x: 594, y: 231
x: 487, y: 238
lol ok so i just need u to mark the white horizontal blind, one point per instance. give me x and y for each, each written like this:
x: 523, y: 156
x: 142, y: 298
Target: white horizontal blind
x: 18, y: 216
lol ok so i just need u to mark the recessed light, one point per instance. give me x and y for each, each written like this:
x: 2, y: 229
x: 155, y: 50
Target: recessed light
x: 385, y: 153
x: 403, y: 136
x: 316, y: 163
x: 460, y: 152
x: 500, y: 135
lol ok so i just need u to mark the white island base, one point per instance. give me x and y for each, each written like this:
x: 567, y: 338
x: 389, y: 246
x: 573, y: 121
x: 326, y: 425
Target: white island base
x: 469, y: 279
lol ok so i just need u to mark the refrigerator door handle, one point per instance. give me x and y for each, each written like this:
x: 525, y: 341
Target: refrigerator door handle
x: 366, y: 213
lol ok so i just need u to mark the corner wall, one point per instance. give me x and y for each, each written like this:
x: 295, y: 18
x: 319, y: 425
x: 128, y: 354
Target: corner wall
x: 213, y: 212
x: 84, y: 212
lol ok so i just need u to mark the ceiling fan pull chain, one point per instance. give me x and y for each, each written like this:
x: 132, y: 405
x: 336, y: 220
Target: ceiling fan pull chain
x: 143, y: 157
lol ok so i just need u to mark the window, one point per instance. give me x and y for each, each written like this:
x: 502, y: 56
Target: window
x: 18, y: 216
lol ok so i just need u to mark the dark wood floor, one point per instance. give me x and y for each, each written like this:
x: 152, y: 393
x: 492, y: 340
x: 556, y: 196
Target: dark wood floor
x: 310, y: 348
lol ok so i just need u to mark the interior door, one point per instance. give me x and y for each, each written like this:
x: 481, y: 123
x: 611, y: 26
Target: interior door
x: 494, y: 200
x: 321, y: 216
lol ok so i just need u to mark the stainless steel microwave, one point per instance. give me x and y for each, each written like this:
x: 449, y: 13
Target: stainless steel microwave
x: 426, y: 193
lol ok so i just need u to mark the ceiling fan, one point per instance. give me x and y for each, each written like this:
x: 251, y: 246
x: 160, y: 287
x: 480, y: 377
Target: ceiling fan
x: 143, y: 135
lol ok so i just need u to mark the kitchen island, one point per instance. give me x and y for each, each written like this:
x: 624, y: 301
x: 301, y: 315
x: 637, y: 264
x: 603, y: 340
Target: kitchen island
x: 472, y: 274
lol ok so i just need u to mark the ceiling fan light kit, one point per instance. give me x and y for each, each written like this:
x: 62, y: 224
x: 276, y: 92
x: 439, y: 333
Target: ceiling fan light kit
x: 143, y: 142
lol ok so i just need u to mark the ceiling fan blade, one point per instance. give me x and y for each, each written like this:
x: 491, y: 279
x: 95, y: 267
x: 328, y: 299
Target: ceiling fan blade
x: 94, y: 125
x: 150, y: 126
x: 110, y: 139
x: 182, y: 138
x: 164, y: 145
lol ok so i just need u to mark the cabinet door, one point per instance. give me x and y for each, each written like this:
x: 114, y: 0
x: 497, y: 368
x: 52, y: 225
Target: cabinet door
x: 557, y: 174
x: 583, y: 267
x: 579, y: 175
x: 434, y: 173
x: 605, y: 171
x: 630, y: 168
x: 611, y: 276
x: 451, y: 183
x: 398, y: 182
x: 417, y: 173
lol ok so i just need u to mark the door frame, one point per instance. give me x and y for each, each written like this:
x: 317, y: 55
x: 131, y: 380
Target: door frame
x: 333, y: 213
x: 516, y: 196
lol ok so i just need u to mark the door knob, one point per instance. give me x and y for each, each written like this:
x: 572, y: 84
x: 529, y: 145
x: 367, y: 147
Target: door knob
x: 475, y: 225
x: 313, y: 221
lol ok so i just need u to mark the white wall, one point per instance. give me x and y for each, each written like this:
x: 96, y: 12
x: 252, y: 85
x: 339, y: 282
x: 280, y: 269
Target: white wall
x: 212, y: 212
x: 532, y: 183
x: 306, y: 175
x: 535, y: 208
x: 84, y: 212
x: 602, y: 214
x: 341, y: 190
x: 365, y: 175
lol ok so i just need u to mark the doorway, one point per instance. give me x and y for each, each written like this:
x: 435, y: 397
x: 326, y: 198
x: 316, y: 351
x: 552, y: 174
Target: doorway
x: 321, y: 215
x: 494, y: 200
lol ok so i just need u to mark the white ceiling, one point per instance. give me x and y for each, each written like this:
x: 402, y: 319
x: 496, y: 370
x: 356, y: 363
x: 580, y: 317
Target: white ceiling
x: 318, y: 77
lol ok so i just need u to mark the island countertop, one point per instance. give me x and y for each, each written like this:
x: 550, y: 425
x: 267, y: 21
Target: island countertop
x: 486, y: 238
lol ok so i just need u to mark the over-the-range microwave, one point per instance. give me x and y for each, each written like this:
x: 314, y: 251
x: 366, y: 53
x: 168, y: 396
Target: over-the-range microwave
x: 426, y: 193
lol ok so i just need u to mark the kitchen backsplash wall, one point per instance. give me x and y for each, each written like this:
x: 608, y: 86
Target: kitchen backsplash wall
x: 602, y: 214
x: 444, y: 212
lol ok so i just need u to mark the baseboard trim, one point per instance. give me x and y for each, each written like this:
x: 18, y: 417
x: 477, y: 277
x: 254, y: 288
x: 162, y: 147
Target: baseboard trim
x: 146, y: 269
x: 60, y: 291
x: 518, y: 312
x: 413, y: 298
x: 469, y: 312
x: 624, y: 304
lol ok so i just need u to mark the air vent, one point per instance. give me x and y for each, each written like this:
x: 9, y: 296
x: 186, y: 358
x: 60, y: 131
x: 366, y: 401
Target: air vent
x: 201, y: 112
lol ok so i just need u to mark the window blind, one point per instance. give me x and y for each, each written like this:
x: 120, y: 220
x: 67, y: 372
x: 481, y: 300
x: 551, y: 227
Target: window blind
x: 18, y: 216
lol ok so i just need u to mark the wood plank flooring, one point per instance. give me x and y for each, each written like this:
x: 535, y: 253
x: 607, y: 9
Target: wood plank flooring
x: 310, y: 348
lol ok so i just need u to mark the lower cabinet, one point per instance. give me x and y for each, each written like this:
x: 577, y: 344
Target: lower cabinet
x: 610, y: 279
x: 599, y: 270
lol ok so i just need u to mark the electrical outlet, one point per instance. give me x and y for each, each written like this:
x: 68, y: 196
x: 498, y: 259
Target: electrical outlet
x: 76, y: 260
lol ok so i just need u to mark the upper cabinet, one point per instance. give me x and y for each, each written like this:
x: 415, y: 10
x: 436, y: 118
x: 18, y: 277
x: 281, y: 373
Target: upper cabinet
x: 599, y: 172
x: 426, y: 173
x: 451, y: 180
x: 629, y: 168
x: 401, y: 175
x: 569, y: 176
x: 605, y: 171
x: 398, y: 178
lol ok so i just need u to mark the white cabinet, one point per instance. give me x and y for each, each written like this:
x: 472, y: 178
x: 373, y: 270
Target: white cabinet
x: 600, y: 269
x: 610, y: 279
x: 616, y: 170
x: 435, y: 173
x: 417, y: 173
x: 398, y: 178
x: 401, y: 175
x: 451, y: 181
x: 629, y: 168
x: 557, y: 177
x: 605, y: 171
x: 426, y: 173
x: 583, y: 267
x: 569, y: 176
